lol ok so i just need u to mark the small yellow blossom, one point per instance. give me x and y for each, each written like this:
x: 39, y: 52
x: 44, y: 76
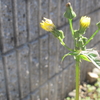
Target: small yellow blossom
x: 85, y: 21
x: 47, y: 24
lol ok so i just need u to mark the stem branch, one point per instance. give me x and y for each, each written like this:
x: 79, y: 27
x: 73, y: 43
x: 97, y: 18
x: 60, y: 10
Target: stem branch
x: 66, y: 46
x: 91, y: 37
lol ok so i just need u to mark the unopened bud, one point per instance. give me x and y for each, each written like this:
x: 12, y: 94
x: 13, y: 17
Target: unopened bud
x: 69, y: 13
x: 84, y: 24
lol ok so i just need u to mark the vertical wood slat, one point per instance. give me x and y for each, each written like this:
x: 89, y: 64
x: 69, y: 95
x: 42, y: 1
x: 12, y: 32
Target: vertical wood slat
x: 59, y: 86
x: 89, y: 5
x: 28, y: 19
x: 21, y: 21
x: 71, y: 77
x: 52, y: 56
x: 44, y: 92
x: 53, y: 89
x: 83, y: 8
x: 54, y: 11
x: 10, y: 63
x: 23, y: 68
x: 39, y: 33
x: 3, y: 94
x: 77, y: 4
x: 1, y: 28
x: 6, y: 81
x: 20, y: 31
x: 7, y: 25
x: 65, y: 84
x: 32, y: 19
x: 29, y: 50
x: 15, y: 23
x: 34, y: 65
x: 44, y: 68
x: 36, y: 95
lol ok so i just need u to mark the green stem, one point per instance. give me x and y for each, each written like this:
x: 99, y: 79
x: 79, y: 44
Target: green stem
x: 91, y: 37
x: 65, y: 46
x: 71, y: 27
x: 63, y: 43
x: 77, y: 77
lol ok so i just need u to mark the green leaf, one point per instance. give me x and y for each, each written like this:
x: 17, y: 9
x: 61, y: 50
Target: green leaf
x: 61, y: 34
x: 65, y: 56
x: 70, y: 53
x: 93, y: 56
x: 84, y: 58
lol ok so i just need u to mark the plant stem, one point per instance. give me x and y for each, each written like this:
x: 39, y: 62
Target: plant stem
x: 71, y: 27
x: 63, y: 43
x: 77, y: 77
x: 91, y: 37
x: 66, y: 46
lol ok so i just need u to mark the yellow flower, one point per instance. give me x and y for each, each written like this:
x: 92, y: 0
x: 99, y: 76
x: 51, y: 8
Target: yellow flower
x: 85, y: 21
x: 47, y: 24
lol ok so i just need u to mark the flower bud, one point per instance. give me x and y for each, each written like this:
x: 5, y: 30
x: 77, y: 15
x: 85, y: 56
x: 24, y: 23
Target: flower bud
x: 69, y: 13
x: 47, y: 25
x: 58, y: 33
x: 84, y: 23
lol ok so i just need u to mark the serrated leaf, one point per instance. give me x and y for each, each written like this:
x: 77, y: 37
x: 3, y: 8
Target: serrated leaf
x: 93, y: 56
x: 84, y: 58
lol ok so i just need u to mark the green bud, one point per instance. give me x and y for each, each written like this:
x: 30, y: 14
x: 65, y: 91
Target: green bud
x: 58, y: 33
x: 98, y: 24
x: 55, y: 33
x: 70, y: 14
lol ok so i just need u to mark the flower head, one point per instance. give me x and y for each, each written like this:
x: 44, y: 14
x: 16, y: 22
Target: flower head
x: 85, y: 21
x: 47, y: 24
